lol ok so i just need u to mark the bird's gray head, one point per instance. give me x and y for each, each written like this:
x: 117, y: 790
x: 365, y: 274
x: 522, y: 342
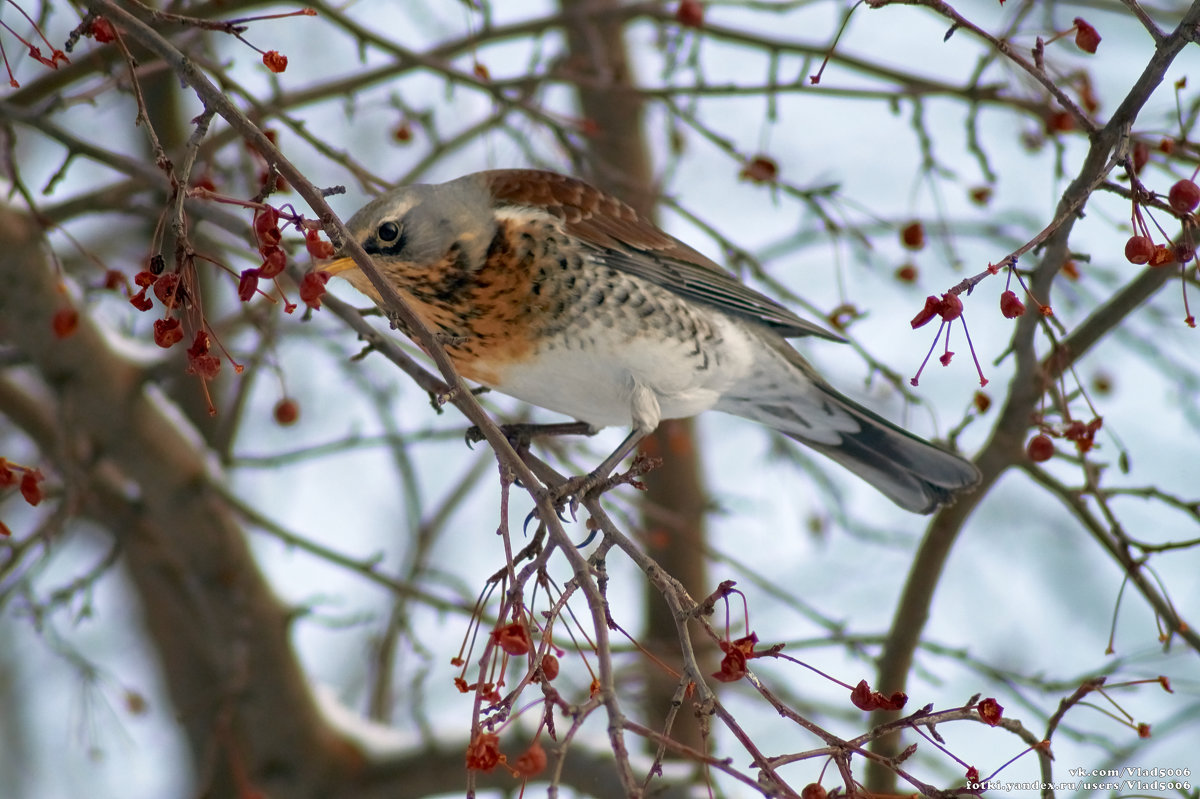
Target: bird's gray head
x: 412, y: 228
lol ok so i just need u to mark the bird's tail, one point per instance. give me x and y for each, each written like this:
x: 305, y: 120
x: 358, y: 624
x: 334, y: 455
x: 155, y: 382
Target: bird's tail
x: 916, y: 475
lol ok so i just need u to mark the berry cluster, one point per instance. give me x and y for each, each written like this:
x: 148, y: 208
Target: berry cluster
x: 1183, y: 198
x: 1041, y: 446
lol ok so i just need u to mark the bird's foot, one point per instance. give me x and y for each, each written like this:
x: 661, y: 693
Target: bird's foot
x: 570, y: 493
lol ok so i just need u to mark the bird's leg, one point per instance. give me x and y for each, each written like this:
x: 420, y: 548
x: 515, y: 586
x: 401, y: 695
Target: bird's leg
x: 646, y: 415
x: 578, y: 487
x: 628, y: 445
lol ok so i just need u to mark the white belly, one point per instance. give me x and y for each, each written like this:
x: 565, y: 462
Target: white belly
x: 594, y: 374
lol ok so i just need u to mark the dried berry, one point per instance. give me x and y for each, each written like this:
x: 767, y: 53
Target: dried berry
x: 275, y: 61
x: 274, y: 260
x: 169, y: 290
x: 1183, y: 251
x: 247, y: 284
x: 532, y: 761
x: 31, y: 486
x: 167, y: 332
x: 1162, y: 256
x: 951, y: 307
x: 483, y: 753
x: 513, y: 638
x: 317, y: 247
x: 990, y: 711
x: 266, y: 227
x: 1010, y: 305
x: 1086, y: 37
x: 927, y: 313
x: 141, y: 301
x: 312, y: 288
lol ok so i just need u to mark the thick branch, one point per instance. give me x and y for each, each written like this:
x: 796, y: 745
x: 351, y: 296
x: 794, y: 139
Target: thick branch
x: 1004, y: 448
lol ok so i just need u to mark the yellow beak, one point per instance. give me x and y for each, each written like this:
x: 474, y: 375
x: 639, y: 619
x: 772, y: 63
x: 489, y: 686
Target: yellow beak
x: 339, y: 265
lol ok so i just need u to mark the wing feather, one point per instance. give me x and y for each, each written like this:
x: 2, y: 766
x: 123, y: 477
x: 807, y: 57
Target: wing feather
x: 629, y: 242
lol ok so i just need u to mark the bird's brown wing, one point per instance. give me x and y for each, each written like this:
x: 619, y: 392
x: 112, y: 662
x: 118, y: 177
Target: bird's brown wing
x: 627, y: 241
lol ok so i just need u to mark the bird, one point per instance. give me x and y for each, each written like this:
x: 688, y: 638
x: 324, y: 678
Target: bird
x: 547, y: 289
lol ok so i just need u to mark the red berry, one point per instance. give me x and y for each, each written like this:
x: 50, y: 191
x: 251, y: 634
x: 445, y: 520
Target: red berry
x: 760, y: 169
x: 1141, y: 154
x: 1139, y: 249
x: 912, y: 235
x: 1184, y: 196
x: 31, y: 486
x: 102, y: 30
x: 65, y: 322
x: 980, y: 195
x: 1040, y: 448
x: 690, y: 14
x: 1060, y: 122
x: 287, y: 411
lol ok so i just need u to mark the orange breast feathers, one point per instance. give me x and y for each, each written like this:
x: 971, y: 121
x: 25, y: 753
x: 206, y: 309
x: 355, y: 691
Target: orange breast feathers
x: 487, y: 315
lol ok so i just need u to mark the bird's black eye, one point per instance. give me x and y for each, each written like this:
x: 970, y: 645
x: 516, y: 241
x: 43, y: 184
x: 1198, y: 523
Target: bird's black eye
x: 388, y: 231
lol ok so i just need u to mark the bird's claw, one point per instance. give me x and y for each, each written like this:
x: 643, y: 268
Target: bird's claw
x: 473, y: 436
x: 572, y: 492
x: 568, y: 495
